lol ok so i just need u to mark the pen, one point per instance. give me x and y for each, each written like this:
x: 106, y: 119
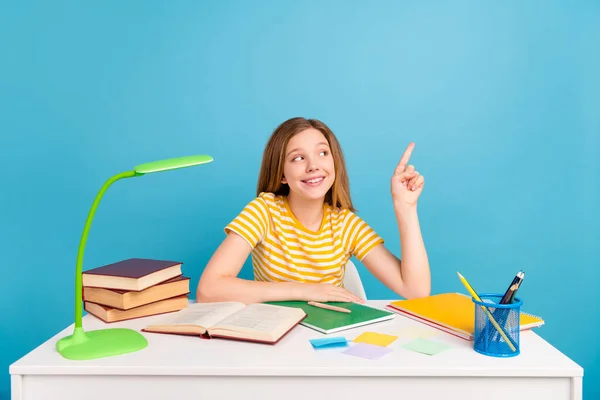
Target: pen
x: 508, y: 298
x: 517, y: 286
x: 512, y: 288
x: 328, y: 307
x: 485, y: 309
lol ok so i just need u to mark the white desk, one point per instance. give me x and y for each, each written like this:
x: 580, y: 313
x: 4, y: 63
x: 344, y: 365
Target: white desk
x: 190, y: 367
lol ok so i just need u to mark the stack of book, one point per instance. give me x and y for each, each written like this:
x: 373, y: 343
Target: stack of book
x: 135, y: 288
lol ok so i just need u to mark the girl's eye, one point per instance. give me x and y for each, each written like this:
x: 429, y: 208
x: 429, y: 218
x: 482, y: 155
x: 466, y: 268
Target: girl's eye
x: 323, y: 153
x: 297, y: 158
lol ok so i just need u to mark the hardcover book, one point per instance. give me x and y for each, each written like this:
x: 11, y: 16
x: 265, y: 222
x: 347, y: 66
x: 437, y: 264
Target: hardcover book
x: 132, y: 274
x: 256, y: 322
x: 109, y: 314
x: 125, y: 299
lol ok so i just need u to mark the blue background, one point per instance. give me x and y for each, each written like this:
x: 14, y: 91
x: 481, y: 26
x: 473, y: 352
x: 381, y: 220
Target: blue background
x: 501, y: 98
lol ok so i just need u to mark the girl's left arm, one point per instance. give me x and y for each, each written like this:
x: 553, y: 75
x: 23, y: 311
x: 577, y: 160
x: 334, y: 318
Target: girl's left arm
x: 410, y: 277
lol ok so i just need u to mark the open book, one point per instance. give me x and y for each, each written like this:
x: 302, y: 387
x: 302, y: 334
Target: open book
x: 257, y: 322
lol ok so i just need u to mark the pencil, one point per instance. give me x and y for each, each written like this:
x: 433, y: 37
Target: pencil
x: 328, y: 307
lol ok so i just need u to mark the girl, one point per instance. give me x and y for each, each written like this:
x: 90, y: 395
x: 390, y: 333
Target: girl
x: 302, y: 229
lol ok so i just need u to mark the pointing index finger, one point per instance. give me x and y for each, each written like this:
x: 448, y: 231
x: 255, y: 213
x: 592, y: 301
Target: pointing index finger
x: 406, y: 156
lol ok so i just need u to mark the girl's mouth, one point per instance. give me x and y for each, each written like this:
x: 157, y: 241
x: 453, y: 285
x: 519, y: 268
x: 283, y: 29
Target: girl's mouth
x: 314, y: 181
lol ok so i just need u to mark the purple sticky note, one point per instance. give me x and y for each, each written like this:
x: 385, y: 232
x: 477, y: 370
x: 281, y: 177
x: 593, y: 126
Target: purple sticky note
x: 370, y: 351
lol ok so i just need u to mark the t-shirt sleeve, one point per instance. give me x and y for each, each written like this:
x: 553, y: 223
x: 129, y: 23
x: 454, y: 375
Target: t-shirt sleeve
x: 359, y: 236
x: 252, y: 223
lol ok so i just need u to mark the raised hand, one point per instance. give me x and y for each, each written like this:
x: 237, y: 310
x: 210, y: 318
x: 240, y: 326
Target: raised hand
x: 407, y: 183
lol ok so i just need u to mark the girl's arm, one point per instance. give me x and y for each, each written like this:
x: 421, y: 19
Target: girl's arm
x: 410, y: 277
x: 219, y: 281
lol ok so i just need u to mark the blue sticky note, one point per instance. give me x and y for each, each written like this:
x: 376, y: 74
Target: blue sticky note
x: 339, y: 341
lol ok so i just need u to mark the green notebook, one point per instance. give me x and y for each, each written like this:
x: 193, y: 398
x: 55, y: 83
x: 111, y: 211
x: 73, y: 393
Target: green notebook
x: 328, y: 321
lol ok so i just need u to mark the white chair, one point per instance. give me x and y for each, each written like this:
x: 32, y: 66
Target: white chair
x: 352, y: 281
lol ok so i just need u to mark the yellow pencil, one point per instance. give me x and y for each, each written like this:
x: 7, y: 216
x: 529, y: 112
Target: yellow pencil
x: 476, y: 297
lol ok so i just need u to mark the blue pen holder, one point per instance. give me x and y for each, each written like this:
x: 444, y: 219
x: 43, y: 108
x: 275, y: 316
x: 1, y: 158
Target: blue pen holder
x: 487, y: 339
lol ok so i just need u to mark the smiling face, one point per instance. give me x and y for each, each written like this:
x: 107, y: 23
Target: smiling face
x: 308, y: 168
x: 278, y: 167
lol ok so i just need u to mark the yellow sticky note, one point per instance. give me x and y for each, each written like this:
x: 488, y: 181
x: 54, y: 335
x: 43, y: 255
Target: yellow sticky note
x: 378, y: 339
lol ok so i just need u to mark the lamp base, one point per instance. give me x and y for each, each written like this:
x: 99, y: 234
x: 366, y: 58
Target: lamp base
x: 100, y: 343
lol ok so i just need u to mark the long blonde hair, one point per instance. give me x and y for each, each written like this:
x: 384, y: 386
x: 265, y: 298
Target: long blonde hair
x: 271, y: 169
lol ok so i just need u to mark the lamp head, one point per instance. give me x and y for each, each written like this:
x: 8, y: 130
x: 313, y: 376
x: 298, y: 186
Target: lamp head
x: 171, y: 163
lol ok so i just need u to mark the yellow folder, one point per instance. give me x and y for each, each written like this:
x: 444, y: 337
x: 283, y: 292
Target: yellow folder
x: 451, y: 312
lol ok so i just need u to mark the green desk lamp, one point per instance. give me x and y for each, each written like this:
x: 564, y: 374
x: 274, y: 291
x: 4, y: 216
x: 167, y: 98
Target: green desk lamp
x: 83, y: 345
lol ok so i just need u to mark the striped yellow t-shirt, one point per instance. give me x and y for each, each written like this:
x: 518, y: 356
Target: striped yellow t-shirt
x: 283, y: 250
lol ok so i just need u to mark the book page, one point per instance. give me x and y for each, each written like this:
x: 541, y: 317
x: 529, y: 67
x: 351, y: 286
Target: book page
x: 261, y: 318
x: 203, y: 314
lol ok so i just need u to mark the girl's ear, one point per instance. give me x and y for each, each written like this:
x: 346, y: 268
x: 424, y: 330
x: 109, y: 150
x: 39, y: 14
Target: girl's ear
x: 284, y: 181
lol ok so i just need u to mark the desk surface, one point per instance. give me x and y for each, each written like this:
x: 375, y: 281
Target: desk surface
x: 294, y: 356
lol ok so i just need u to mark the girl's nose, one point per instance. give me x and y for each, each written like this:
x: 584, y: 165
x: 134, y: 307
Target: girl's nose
x: 311, y: 166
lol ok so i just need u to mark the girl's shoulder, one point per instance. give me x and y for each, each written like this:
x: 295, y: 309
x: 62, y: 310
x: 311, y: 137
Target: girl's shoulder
x: 338, y: 212
x: 270, y: 201
x: 270, y: 198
